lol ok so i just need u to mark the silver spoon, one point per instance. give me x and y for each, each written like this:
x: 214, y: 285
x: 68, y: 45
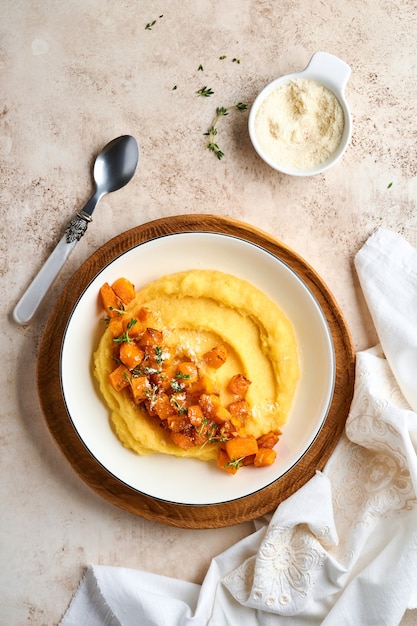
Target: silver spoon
x: 113, y: 169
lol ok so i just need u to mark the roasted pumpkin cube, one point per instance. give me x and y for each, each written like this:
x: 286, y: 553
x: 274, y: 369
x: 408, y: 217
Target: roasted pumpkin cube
x: 111, y: 303
x: 177, y: 423
x: 141, y: 388
x: 208, y: 402
x: 269, y: 440
x: 239, y: 410
x: 116, y: 326
x: 187, y: 373
x: 132, y: 326
x: 224, y: 462
x: 183, y: 441
x: 239, y: 447
x: 217, y: 356
x: 120, y: 377
x: 151, y: 337
x: 179, y: 402
x: 131, y: 354
x: 144, y: 315
x: 239, y: 385
x: 200, y: 386
x: 264, y: 457
x: 124, y: 290
x: 195, y: 415
x: 160, y: 405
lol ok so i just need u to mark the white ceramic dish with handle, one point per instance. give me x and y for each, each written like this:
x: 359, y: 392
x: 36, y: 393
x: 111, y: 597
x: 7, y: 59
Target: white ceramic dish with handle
x: 329, y: 71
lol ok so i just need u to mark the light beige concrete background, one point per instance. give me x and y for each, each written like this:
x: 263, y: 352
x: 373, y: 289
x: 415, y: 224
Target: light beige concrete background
x: 74, y: 75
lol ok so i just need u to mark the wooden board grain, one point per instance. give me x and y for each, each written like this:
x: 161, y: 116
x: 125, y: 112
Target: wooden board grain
x: 129, y: 499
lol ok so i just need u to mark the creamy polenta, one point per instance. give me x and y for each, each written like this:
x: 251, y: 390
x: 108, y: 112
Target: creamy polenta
x: 193, y: 313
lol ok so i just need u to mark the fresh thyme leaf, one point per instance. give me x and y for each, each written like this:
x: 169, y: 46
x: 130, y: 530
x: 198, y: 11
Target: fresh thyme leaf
x: 174, y: 87
x: 222, y: 111
x: 215, y: 148
x: 123, y: 338
x: 205, y: 92
x: 159, y: 357
x: 181, y: 410
x: 176, y: 386
x: 200, y: 68
x: 223, y: 57
x: 389, y: 186
x: 182, y: 376
x: 235, y: 60
x: 120, y: 311
x: 236, y: 463
x: 212, y: 132
x: 131, y: 323
x: 149, y: 25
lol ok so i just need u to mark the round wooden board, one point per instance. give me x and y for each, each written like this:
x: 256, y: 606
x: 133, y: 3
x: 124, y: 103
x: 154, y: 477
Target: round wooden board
x: 129, y: 499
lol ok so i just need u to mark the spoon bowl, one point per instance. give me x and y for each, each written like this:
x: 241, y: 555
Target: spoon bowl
x: 116, y: 164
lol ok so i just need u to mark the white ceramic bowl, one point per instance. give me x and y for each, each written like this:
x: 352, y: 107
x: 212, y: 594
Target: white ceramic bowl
x: 332, y: 73
x: 189, y: 481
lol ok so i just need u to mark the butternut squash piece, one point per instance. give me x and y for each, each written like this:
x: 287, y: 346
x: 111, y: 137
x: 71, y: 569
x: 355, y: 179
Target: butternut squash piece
x: 111, y: 303
x: 268, y: 440
x: 187, y: 373
x: 200, y: 386
x: 151, y: 337
x: 120, y: 377
x: 239, y: 411
x: 124, y: 290
x: 239, y: 447
x: 161, y: 406
x: 131, y: 355
x: 196, y: 416
x: 132, y: 326
x: 264, y: 457
x: 141, y: 388
x: 116, y: 326
x: 239, y: 385
x: 181, y: 440
x: 223, y: 461
x: 217, y: 356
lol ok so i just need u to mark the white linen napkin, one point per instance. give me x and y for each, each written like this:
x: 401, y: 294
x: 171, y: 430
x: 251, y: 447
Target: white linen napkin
x: 342, y: 549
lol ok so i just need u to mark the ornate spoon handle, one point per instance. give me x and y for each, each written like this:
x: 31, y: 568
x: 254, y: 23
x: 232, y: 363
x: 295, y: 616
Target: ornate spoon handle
x: 38, y: 288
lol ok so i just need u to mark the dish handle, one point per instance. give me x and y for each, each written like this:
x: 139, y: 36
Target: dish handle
x: 328, y: 68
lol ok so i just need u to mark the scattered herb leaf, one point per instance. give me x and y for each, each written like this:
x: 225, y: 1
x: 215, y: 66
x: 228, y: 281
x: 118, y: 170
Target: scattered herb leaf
x: 389, y: 186
x: 223, y: 57
x: 235, y: 60
x: 150, y: 25
x: 205, y: 92
x: 174, y: 87
x: 200, y: 68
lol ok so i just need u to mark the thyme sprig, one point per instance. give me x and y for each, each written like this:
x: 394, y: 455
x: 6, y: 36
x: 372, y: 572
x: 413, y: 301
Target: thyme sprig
x: 211, y: 134
x: 124, y: 337
x: 235, y: 463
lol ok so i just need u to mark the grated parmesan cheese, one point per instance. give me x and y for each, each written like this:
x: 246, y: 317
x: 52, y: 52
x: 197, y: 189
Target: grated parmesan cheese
x: 300, y: 124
